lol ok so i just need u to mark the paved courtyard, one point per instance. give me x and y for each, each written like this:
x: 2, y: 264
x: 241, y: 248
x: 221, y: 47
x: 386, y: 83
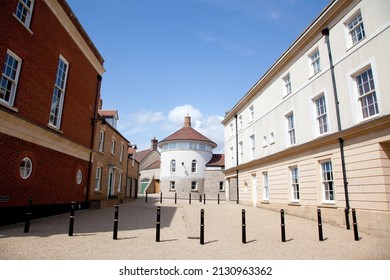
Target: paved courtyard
x: 179, y: 236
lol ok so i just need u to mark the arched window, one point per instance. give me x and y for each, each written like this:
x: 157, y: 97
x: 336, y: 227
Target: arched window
x: 194, y: 166
x: 173, y: 166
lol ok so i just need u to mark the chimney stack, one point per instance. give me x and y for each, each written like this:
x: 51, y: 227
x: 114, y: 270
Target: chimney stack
x: 187, y: 121
x: 154, y: 144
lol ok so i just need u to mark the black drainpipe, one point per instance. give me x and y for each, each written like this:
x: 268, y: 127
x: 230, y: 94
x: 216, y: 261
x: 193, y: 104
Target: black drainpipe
x: 325, y: 32
x: 93, y: 122
x: 238, y: 192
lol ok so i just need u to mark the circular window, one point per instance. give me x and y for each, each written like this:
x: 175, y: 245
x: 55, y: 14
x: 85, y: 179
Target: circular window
x: 79, y: 176
x: 25, y: 168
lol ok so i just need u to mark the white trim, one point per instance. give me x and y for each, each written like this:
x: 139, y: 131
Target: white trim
x: 16, y: 81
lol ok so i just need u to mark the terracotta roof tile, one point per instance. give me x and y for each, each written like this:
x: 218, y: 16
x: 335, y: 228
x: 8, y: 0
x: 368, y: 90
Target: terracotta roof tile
x: 188, y: 133
x: 217, y: 160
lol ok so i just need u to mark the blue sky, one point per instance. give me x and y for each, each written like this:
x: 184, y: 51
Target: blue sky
x: 165, y: 59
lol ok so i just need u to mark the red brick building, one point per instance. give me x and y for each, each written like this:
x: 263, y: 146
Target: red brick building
x: 49, y: 93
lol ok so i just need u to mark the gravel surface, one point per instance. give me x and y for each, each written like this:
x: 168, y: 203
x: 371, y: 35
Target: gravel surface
x: 180, y: 236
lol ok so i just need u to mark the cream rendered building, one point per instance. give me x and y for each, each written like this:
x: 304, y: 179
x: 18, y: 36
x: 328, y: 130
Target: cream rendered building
x: 314, y: 131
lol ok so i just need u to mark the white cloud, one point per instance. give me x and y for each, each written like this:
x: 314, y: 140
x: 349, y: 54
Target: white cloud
x: 143, y: 117
x: 177, y: 114
x: 212, y: 128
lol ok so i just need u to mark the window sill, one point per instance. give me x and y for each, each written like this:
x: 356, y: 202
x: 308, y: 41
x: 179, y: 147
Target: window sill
x: 97, y: 192
x: 329, y: 205
x: 55, y: 129
x: 294, y: 203
x: 22, y: 23
x: 5, y: 105
x: 265, y: 202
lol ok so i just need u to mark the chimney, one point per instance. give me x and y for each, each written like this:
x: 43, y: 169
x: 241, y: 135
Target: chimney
x: 187, y: 121
x: 154, y: 144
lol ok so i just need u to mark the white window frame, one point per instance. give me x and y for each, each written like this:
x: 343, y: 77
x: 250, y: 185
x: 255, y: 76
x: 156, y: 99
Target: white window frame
x: 101, y: 141
x: 121, y: 153
x: 315, y: 61
x: 172, y: 166
x: 272, y: 138
x: 287, y: 84
x: 265, y: 186
x: 372, y: 92
x: 119, y: 182
x: 251, y: 113
x: 252, y: 151
x: 56, y: 109
x: 172, y: 186
x: 240, y: 152
x: 321, y: 115
x: 25, y: 168
x: 240, y: 122
x: 79, y: 176
x: 233, y: 163
x: 265, y: 141
x: 294, y: 179
x: 221, y: 186
x: 327, y: 182
x: 29, y: 10
x: 356, y: 29
x: 98, y: 178
x: 113, y: 143
x: 194, y: 185
x: 14, y: 81
x: 194, y: 166
x: 291, y: 129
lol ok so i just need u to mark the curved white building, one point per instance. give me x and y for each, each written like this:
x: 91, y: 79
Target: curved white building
x: 186, y: 157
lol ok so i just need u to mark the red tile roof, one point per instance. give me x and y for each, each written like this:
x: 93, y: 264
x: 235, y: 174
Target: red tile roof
x: 217, y: 160
x: 188, y: 133
x: 108, y: 113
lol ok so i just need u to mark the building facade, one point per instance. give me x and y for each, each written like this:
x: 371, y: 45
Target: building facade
x: 49, y: 91
x: 188, y: 164
x: 314, y: 131
x: 114, y: 172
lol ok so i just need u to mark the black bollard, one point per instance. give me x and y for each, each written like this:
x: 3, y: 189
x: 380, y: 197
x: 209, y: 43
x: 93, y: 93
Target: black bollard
x: 200, y: 198
x: 146, y: 196
x: 189, y: 199
x: 115, y: 234
x: 243, y: 226
x: 218, y: 198
x: 346, y: 212
x: 202, y: 226
x: 320, y: 235
x: 175, y: 197
x: 158, y: 224
x: 204, y: 198
x: 283, y: 229
x: 160, y: 197
x: 71, y: 218
x: 28, y: 216
x: 355, y: 227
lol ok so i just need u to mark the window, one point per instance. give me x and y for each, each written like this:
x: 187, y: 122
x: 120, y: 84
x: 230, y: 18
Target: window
x: 231, y: 129
x: 294, y: 184
x: 287, y: 84
x: 253, y: 146
x: 321, y: 115
x: 265, y: 186
x: 272, y: 138
x: 367, y: 94
x: 59, y: 92
x: 232, y: 156
x: 121, y: 153
x: 221, y: 186
x: 101, y: 141
x: 79, y: 177
x: 194, y: 185
x: 328, y: 191
x: 113, y: 147
x: 119, y: 182
x: 315, y: 62
x: 264, y: 141
x: 194, y: 166
x: 241, y: 152
x: 172, y: 186
x: 173, y: 166
x: 9, y: 78
x: 98, y: 178
x: 239, y: 122
x: 356, y: 29
x: 251, y: 113
x: 25, y: 168
x: 291, y: 129
x: 24, y: 11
